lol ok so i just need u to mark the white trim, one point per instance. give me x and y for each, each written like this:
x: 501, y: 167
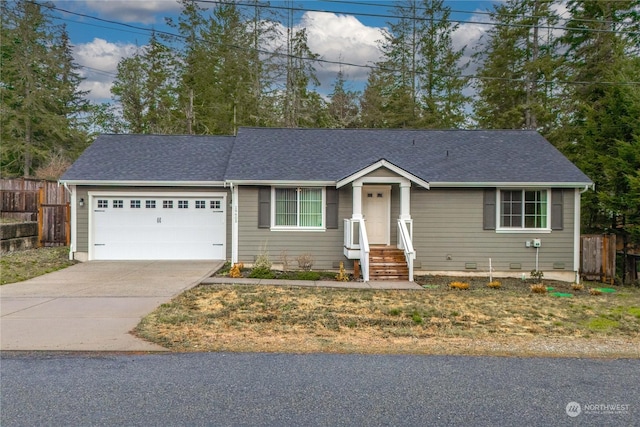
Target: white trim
x: 523, y: 231
x: 576, y: 234
x: 288, y: 228
x: 282, y: 183
x: 275, y: 227
x: 377, y: 165
x: 158, y: 194
x: 500, y: 229
x: 444, y: 184
x: 147, y: 183
x: 234, y: 223
x: 73, y: 221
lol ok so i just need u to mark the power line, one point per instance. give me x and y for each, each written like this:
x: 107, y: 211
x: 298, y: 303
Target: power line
x: 99, y: 71
x: 318, y: 60
x: 416, y: 18
x: 102, y: 26
x: 468, y: 12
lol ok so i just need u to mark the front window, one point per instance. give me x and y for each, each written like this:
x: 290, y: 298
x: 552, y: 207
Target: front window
x: 523, y: 209
x: 298, y: 207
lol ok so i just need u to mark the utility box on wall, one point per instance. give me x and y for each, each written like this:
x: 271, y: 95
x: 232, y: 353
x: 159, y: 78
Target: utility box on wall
x: 536, y: 243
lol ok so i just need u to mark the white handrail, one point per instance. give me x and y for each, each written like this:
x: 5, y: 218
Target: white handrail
x: 364, y: 250
x: 407, y: 245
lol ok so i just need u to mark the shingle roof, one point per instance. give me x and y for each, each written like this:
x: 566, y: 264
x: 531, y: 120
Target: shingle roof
x: 330, y: 155
x: 457, y: 156
x: 153, y: 158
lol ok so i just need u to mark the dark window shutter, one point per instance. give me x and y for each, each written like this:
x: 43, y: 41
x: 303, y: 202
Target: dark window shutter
x: 557, y: 211
x: 332, y: 207
x: 264, y: 207
x: 489, y: 213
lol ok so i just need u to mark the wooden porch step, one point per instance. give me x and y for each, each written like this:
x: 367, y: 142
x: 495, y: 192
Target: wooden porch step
x: 387, y: 263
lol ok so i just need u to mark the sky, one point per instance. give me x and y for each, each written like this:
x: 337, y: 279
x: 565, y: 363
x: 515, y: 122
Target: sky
x: 341, y: 31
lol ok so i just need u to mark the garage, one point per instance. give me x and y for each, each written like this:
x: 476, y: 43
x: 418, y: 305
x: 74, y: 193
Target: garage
x: 157, y: 226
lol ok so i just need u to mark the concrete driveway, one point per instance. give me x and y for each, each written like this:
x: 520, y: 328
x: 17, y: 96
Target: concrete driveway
x: 92, y: 306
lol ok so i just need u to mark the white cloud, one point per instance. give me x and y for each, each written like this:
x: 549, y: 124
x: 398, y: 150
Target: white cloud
x: 142, y: 11
x: 341, y: 38
x: 99, y: 64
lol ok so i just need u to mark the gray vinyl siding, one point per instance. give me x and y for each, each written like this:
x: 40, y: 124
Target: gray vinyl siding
x: 82, y: 220
x: 449, y: 222
x: 326, y: 246
x: 82, y: 214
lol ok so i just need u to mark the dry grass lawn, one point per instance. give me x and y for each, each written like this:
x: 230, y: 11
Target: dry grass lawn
x: 510, y: 320
x: 23, y: 265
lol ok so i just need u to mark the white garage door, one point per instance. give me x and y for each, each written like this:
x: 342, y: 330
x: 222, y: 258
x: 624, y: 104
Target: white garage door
x: 158, y: 228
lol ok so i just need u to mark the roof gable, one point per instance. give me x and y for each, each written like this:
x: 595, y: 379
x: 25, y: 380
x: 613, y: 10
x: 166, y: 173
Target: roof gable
x: 378, y: 165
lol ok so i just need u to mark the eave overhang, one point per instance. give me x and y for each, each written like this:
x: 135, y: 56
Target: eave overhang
x: 111, y: 183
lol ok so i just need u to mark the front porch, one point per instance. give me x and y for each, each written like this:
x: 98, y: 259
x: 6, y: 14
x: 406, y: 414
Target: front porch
x: 369, y: 233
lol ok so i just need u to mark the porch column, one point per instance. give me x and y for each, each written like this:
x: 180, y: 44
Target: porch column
x: 405, y: 200
x: 357, y: 201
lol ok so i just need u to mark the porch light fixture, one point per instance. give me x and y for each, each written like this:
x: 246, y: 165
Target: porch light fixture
x: 81, y: 203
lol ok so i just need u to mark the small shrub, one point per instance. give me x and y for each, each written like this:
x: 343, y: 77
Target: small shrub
x: 494, y: 284
x: 594, y: 291
x: 262, y: 261
x: 308, y: 275
x: 416, y: 317
x: 537, y: 275
x: 305, y: 262
x: 577, y: 287
x: 236, y: 270
x: 342, y: 276
x: 224, y: 270
x: 539, y: 288
x: 459, y: 285
x: 261, y: 273
x: 284, y: 257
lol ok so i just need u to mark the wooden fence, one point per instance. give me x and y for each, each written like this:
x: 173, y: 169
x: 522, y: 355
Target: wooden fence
x: 35, y: 200
x: 598, y: 257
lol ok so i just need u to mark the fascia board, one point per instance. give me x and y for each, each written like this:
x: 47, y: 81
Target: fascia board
x: 144, y: 183
x: 512, y: 184
x: 280, y: 182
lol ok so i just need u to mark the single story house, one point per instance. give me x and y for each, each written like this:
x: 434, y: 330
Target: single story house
x: 447, y: 201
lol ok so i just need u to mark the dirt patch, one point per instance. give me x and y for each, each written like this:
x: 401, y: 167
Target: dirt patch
x: 509, y: 320
x: 23, y: 265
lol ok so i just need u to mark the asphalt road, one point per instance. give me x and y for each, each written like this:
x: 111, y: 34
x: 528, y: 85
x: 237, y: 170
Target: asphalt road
x: 223, y: 389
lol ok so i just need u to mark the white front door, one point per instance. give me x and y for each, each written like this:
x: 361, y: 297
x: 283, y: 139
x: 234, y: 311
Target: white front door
x: 376, y: 208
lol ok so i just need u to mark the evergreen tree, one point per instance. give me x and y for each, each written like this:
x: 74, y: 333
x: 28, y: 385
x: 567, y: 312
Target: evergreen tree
x: 41, y: 103
x: 128, y: 91
x: 601, y: 131
x: 517, y: 68
x: 420, y: 69
x: 372, y: 101
x: 343, y: 107
x: 302, y: 107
